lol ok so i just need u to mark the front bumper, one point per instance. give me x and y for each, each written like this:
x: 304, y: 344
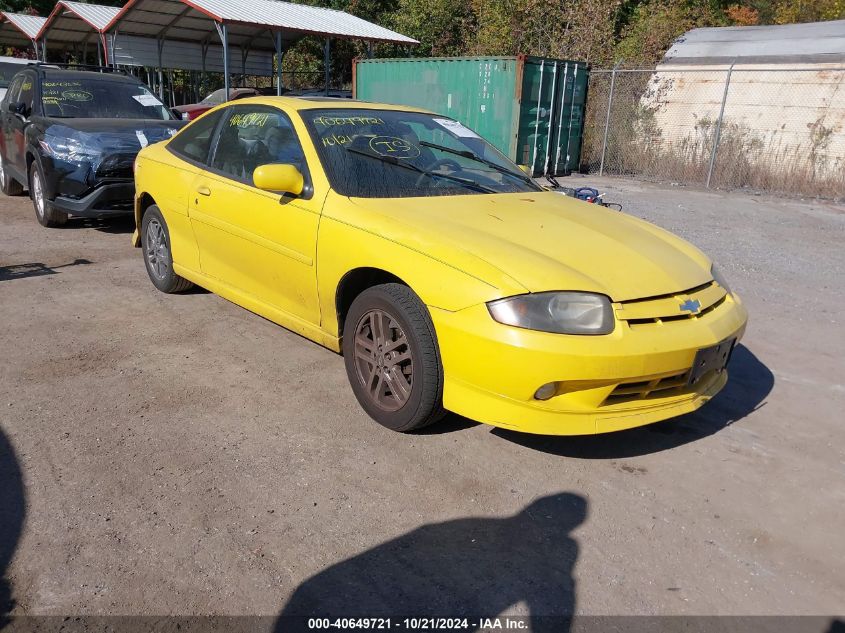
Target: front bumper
x: 106, y: 200
x: 632, y: 377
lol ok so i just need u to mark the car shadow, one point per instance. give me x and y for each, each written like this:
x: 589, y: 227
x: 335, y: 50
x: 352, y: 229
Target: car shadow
x: 35, y: 269
x: 749, y: 384
x: 465, y: 568
x: 12, y: 513
x: 451, y: 423
x: 119, y: 225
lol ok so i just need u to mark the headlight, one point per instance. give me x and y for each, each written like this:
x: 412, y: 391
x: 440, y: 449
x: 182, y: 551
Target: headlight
x: 68, y: 149
x: 719, y: 278
x: 556, y: 312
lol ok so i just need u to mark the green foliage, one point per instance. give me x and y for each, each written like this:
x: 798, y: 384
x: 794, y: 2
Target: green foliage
x: 791, y: 11
x: 443, y: 27
x: 655, y: 24
x: 597, y: 31
x: 42, y: 7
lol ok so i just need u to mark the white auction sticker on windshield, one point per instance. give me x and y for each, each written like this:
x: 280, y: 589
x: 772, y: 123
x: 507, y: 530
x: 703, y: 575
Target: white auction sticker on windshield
x: 146, y: 100
x: 142, y: 138
x: 458, y: 129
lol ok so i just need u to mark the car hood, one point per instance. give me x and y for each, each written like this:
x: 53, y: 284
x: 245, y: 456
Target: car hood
x: 543, y: 241
x: 95, y: 148
x: 112, y: 126
x: 106, y: 136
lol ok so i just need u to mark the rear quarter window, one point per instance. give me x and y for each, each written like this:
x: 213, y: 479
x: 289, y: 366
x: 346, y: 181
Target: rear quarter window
x: 194, y: 142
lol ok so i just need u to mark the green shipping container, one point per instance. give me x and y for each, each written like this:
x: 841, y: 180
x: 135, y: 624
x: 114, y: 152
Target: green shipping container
x: 531, y: 108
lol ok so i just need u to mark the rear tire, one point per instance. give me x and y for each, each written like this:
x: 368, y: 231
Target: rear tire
x: 158, y: 258
x: 45, y: 212
x: 8, y: 185
x: 392, y: 358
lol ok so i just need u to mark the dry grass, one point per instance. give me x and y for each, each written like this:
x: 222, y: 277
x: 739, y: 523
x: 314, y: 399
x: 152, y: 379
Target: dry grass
x: 638, y: 147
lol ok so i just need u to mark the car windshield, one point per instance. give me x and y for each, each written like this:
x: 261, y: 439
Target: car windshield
x: 87, y: 98
x: 394, y: 154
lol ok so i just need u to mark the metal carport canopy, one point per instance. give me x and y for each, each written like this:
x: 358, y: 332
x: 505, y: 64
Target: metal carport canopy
x: 248, y: 24
x: 76, y: 23
x: 20, y: 30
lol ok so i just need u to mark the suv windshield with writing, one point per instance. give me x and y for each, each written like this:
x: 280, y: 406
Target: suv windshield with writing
x: 86, y: 98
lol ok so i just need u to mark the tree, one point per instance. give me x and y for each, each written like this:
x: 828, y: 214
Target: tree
x: 655, y: 24
x: 792, y: 11
x: 740, y: 15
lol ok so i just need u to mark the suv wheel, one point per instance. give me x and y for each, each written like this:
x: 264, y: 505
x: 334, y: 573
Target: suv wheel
x: 47, y: 215
x: 392, y: 359
x: 8, y: 185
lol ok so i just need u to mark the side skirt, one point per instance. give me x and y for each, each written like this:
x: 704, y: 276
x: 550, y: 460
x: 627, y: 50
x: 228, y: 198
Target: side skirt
x: 248, y: 302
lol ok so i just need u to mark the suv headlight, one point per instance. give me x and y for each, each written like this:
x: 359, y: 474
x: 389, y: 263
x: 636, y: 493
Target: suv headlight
x: 719, y: 278
x: 556, y: 312
x: 69, y: 149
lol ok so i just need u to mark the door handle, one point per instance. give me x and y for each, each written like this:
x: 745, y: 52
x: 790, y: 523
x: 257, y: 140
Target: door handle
x: 204, y: 191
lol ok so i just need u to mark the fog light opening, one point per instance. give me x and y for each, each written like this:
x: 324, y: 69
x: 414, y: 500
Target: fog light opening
x: 546, y: 392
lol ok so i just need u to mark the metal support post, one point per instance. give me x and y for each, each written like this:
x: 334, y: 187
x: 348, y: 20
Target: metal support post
x: 223, y: 32
x: 327, y: 58
x: 607, y: 117
x: 719, y: 127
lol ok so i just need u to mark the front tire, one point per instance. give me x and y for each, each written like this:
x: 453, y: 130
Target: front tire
x: 392, y: 358
x: 45, y: 212
x: 158, y: 258
x: 8, y: 185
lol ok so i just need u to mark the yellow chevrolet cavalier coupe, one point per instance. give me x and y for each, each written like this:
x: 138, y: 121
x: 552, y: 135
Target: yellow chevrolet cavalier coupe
x: 447, y: 278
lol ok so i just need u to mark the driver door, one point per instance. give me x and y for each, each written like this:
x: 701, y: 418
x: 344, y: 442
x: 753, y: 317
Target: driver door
x: 260, y: 243
x: 13, y: 127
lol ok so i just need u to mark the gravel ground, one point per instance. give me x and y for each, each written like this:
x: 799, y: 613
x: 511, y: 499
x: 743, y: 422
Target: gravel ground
x: 179, y: 455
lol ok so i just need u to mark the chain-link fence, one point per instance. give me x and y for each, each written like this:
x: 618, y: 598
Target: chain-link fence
x: 765, y: 128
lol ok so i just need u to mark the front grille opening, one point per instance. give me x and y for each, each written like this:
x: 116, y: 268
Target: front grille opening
x: 676, y: 384
x: 684, y: 316
x: 117, y: 166
x: 691, y: 291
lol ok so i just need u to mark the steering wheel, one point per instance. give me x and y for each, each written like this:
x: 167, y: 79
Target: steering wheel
x: 443, y: 162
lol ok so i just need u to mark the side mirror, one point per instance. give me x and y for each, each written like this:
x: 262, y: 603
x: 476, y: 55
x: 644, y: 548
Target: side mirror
x: 278, y: 177
x: 179, y: 116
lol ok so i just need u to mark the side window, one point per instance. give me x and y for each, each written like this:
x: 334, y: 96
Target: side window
x: 252, y: 136
x: 14, y: 90
x: 27, y: 95
x: 194, y: 142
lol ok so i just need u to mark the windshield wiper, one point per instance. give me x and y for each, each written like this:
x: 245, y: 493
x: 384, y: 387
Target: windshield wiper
x: 465, y: 153
x: 390, y: 160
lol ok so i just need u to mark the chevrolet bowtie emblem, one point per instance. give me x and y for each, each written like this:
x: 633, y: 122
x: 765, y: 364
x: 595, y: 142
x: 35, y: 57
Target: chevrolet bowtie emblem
x: 691, y: 305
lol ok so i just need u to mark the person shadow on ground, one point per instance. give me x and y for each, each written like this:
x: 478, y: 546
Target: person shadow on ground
x: 11, y: 518
x: 473, y: 568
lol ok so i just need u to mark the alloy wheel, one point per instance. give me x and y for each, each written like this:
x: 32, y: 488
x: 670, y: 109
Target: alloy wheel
x: 383, y: 360
x: 38, y: 195
x: 157, y: 251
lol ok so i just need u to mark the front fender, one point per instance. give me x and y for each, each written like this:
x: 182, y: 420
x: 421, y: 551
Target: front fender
x: 342, y: 248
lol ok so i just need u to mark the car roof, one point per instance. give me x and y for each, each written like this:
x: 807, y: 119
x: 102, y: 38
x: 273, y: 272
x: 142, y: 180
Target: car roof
x: 63, y: 73
x: 17, y: 60
x: 313, y: 102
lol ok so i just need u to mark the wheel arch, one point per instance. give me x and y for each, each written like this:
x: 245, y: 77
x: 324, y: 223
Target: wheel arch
x: 30, y: 158
x: 356, y: 281
x: 142, y: 202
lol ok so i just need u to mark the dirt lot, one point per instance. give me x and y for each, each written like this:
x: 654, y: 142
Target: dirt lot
x: 177, y: 454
